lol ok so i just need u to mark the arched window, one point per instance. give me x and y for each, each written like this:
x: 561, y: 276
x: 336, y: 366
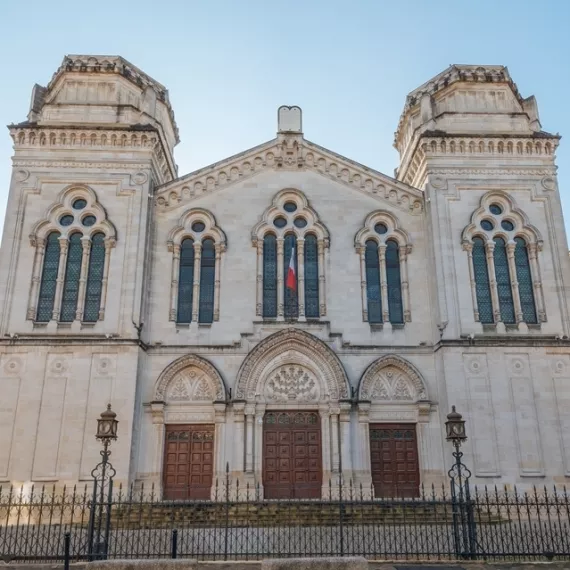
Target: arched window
x: 503, y: 278
x: 269, y: 276
x: 207, y: 280
x: 291, y: 305
x: 373, y: 282
x: 185, y: 281
x: 94, y: 279
x: 524, y: 279
x: 483, y: 291
x: 395, y: 308
x: 71, y: 283
x: 311, y: 262
x: 49, y: 278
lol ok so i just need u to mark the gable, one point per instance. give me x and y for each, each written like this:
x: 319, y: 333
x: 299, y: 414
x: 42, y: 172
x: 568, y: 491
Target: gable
x: 293, y: 153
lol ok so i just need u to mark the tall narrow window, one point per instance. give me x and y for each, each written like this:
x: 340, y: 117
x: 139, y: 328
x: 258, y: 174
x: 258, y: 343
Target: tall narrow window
x: 207, y: 280
x: 502, y: 274
x: 71, y: 283
x: 482, y: 287
x: 394, y: 282
x: 269, y: 276
x: 49, y: 278
x: 290, y: 296
x: 185, y: 281
x: 94, y: 279
x: 311, y: 277
x: 524, y: 278
x: 373, y: 282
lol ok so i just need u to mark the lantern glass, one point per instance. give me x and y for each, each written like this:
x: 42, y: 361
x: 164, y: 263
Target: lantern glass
x: 455, y: 427
x: 107, y: 425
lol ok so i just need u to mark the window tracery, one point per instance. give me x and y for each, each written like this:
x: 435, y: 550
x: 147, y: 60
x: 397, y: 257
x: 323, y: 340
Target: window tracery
x: 196, y: 244
x: 383, y: 248
x: 503, y: 263
x: 71, y: 263
x: 288, y: 225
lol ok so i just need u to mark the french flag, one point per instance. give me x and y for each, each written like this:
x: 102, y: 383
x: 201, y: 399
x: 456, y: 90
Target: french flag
x: 291, y: 281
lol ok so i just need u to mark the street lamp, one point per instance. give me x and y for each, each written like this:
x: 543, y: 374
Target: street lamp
x: 455, y: 428
x: 107, y: 426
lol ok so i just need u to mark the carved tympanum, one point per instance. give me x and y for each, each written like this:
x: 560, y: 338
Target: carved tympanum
x: 292, y: 383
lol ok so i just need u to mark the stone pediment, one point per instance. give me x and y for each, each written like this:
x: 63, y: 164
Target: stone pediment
x: 293, y: 153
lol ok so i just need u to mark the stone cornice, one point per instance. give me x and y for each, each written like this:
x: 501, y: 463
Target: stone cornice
x: 293, y: 153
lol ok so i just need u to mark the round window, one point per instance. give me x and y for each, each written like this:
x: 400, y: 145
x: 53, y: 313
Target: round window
x: 79, y: 204
x: 289, y: 206
x: 88, y: 221
x: 198, y: 226
x: 280, y: 222
x: 495, y: 209
x: 487, y: 225
x: 507, y: 225
x: 380, y: 228
x: 66, y: 220
x: 300, y: 222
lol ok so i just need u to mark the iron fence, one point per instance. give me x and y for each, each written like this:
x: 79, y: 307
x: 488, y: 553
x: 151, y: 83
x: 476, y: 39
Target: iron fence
x: 39, y: 525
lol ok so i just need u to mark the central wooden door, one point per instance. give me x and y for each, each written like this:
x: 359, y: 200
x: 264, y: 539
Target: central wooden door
x: 394, y: 460
x: 292, y: 459
x: 188, y: 461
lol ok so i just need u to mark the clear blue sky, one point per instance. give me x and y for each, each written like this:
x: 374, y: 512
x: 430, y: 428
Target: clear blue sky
x: 229, y: 64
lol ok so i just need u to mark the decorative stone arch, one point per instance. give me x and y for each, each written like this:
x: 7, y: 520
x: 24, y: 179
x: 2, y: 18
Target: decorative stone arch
x: 65, y: 218
x: 507, y: 212
x: 291, y: 346
x: 197, y: 224
x: 392, y: 379
x: 176, y: 370
x: 392, y: 231
x: 312, y: 226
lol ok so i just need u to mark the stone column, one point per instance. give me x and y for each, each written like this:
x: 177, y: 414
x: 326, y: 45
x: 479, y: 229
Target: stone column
x: 468, y: 247
x: 489, y: 248
x: 109, y: 244
x: 63, y: 246
x: 324, y: 411
x: 259, y: 279
x: 322, y: 280
x: 384, y: 284
x: 403, y: 254
x: 238, y: 439
x: 335, y: 412
x: 157, y: 411
x: 220, y: 444
x: 280, y: 287
x: 219, y: 248
x: 86, y: 244
x: 249, y: 425
x: 363, y: 471
x: 515, y: 286
x: 361, y: 250
x: 40, y: 244
x: 174, y: 282
x: 532, y: 249
x: 345, y: 448
x: 258, y: 447
x: 301, y: 278
x: 196, y: 283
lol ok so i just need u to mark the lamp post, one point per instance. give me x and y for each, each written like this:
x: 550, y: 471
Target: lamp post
x: 103, y: 473
x: 463, y: 517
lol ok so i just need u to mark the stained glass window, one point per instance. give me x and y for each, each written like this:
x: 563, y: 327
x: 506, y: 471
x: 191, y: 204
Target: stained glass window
x: 482, y: 288
x: 207, y: 280
x: 49, y: 278
x: 269, y: 276
x: 373, y: 282
x: 395, y: 308
x: 502, y: 274
x: 311, y: 277
x: 94, y: 279
x: 71, y: 283
x: 185, y: 281
x: 290, y: 296
x: 525, y: 282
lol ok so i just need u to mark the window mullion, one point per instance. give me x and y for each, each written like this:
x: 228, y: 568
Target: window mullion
x: 468, y: 247
x: 109, y: 243
x: 363, y: 283
x: 196, y: 285
x: 174, y: 281
x: 489, y: 248
x: 218, y: 249
x: 403, y: 257
x: 322, y: 277
x: 36, y: 278
x: 280, y: 287
x: 301, y: 278
x: 86, y: 253
x: 536, y: 281
x: 63, y: 249
x: 259, y: 282
x: 514, y: 282
x: 383, y: 283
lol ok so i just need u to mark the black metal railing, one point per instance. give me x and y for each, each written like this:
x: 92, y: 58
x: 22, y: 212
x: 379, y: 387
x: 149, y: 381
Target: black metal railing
x: 38, y: 525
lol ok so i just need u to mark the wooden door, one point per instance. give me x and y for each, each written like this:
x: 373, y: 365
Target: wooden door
x: 394, y: 458
x: 188, y: 461
x: 292, y: 461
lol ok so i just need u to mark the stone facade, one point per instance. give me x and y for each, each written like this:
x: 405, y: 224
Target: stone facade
x: 104, y: 132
